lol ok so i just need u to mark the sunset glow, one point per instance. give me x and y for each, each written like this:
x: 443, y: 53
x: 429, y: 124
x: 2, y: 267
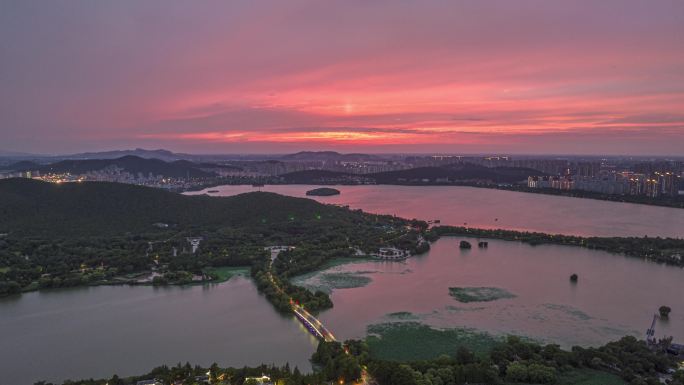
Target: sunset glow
x: 519, y: 76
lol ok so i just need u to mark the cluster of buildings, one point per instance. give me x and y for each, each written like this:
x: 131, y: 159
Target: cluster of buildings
x: 5, y: 174
x: 110, y: 174
x: 619, y: 176
x: 279, y: 167
x: 654, y: 185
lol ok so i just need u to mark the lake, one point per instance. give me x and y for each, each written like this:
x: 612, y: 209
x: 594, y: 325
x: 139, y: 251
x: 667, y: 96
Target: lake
x: 489, y: 208
x: 614, y: 295
x: 99, y: 331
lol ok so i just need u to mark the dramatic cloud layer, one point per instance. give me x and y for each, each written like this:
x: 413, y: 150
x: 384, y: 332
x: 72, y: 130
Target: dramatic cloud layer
x: 254, y: 76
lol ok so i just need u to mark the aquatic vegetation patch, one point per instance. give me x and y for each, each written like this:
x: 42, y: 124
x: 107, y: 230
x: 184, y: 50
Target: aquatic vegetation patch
x: 402, y: 316
x: 571, y: 311
x: 459, y: 309
x: 410, y: 341
x: 327, y: 282
x: 344, y: 280
x: 332, y: 266
x: 336, y: 262
x: 479, y: 294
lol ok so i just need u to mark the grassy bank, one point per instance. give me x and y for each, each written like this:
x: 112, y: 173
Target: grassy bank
x: 227, y: 272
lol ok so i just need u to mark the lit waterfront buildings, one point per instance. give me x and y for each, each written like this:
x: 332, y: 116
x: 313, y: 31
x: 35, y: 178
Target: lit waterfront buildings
x: 625, y: 183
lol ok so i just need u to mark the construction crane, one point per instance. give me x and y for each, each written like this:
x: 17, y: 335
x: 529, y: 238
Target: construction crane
x: 650, y: 333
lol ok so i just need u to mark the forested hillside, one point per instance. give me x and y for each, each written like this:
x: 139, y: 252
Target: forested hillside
x: 34, y: 208
x: 55, y: 235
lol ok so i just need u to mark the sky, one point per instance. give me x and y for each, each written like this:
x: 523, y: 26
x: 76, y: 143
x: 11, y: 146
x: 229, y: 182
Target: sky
x: 477, y: 76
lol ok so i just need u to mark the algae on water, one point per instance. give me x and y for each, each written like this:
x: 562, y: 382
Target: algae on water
x: 479, y: 294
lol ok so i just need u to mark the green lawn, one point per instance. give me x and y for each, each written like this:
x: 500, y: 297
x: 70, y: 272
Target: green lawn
x: 4, y: 269
x: 227, y: 272
x: 588, y: 377
x: 30, y: 287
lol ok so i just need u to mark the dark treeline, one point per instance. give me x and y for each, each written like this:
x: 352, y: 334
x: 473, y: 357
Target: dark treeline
x: 663, y: 250
x: 518, y: 361
x: 664, y: 200
x: 511, y: 361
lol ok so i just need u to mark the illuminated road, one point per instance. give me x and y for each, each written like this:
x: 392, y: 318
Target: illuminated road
x: 313, y: 324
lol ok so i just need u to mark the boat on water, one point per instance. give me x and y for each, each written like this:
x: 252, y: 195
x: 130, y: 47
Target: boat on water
x: 213, y: 191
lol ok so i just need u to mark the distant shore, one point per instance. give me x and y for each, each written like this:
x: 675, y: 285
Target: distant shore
x: 672, y: 202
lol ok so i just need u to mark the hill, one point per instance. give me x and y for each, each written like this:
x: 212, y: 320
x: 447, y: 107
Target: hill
x: 24, y: 165
x: 129, y: 163
x: 328, y: 156
x: 458, y: 172
x: 164, y: 155
x: 314, y: 176
x: 33, y: 208
x: 70, y: 234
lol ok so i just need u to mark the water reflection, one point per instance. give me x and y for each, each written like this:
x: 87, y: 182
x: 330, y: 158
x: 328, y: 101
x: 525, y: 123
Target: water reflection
x: 614, y: 296
x: 98, y: 331
x: 489, y: 208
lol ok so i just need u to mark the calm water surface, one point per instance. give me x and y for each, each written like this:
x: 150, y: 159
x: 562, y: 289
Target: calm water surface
x: 487, y: 208
x: 615, y: 295
x: 98, y: 331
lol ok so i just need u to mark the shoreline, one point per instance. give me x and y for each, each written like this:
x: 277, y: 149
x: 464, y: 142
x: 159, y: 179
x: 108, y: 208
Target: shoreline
x: 615, y: 245
x: 633, y: 247
x: 580, y: 194
x: 241, y: 271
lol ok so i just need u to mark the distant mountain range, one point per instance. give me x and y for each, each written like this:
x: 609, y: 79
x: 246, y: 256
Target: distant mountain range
x: 161, y: 154
x: 129, y: 163
x: 6, y: 153
x: 170, y: 156
x: 329, y: 156
x: 184, y: 168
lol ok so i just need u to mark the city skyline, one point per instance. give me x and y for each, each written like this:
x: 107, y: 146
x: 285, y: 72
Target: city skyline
x: 524, y: 77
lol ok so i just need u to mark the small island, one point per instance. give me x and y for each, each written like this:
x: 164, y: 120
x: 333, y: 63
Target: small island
x: 574, y: 278
x: 464, y: 245
x: 323, y: 192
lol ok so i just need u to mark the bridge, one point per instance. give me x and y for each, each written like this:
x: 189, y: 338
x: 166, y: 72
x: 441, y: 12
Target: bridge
x: 314, y: 326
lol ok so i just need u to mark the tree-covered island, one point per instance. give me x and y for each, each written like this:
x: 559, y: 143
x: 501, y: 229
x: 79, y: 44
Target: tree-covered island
x: 323, y: 192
